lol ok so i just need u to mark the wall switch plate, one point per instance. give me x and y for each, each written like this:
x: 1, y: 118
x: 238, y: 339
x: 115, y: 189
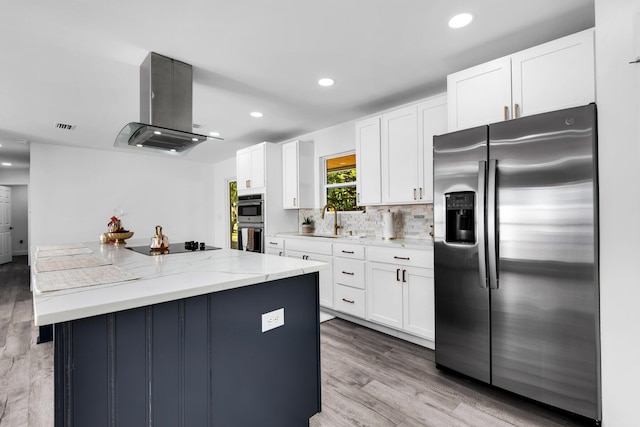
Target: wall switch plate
x: 273, y: 319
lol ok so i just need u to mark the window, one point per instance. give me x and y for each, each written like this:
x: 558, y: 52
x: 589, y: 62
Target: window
x: 340, y: 182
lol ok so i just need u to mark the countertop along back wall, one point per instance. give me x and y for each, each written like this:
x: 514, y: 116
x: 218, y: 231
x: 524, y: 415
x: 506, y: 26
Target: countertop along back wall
x: 73, y: 192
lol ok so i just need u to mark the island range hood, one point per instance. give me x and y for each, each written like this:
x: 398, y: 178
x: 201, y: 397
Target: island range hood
x: 166, y: 105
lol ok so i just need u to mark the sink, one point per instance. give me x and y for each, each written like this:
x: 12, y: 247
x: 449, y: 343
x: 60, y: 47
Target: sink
x: 327, y: 236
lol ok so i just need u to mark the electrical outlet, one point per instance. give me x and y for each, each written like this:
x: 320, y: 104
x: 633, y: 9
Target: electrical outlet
x: 273, y: 319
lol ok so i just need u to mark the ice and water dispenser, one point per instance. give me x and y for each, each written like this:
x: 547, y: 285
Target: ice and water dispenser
x: 460, y: 217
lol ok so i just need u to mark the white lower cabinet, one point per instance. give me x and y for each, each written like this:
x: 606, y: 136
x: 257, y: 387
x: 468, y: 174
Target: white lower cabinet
x: 349, y: 278
x: 399, y: 294
x: 274, y: 246
x: 315, y: 251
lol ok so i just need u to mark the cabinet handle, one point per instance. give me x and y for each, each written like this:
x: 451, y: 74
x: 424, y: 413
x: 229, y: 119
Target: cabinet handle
x: 357, y: 198
x: 348, y: 272
x: 506, y: 112
x: 402, y: 257
x: 350, y: 301
x: 404, y: 276
x: 247, y: 183
x: 347, y: 252
x: 414, y: 194
x: 280, y: 253
x: 273, y: 243
x: 420, y: 193
x: 397, y: 274
x: 516, y: 111
x: 294, y: 201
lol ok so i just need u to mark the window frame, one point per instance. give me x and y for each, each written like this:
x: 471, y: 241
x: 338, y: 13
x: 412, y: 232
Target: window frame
x: 326, y: 186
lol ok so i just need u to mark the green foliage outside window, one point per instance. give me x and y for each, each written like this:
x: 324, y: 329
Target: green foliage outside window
x: 343, y: 198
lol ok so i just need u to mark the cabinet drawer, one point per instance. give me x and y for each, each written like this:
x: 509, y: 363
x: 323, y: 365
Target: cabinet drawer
x: 401, y: 256
x: 348, y: 251
x: 349, y: 300
x: 308, y: 245
x: 348, y: 272
x: 274, y: 243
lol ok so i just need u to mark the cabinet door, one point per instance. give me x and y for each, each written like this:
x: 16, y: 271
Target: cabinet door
x: 384, y: 294
x: 432, y: 120
x: 555, y: 75
x: 325, y: 276
x: 418, y: 302
x: 368, y: 168
x: 399, y: 156
x: 479, y: 95
x: 250, y: 169
x: 290, y: 175
x: 257, y: 166
x: 243, y: 169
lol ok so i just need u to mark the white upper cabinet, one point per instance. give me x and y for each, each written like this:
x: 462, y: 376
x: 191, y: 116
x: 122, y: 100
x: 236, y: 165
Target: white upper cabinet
x: 399, y: 155
x: 555, y: 75
x: 368, y: 165
x: 407, y: 150
x: 432, y: 120
x: 479, y: 95
x: 297, y: 175
x: 250, y: 163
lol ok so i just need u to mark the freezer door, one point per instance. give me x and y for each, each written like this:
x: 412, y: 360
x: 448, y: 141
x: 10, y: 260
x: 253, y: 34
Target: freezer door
x: 461, y: 295
x: 545, y: 310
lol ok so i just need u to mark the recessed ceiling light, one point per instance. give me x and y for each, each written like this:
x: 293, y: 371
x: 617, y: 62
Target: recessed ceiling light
x: 326, y: 82
x: 139, y: 145
x: 195, y: 139
x: 157, y: 132
x: 460, y: 20
x: 256, y: 114
x: 173, y: 150
x: 6, y: 164
x: 214, y: 133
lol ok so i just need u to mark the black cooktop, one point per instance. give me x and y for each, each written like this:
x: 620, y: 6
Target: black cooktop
x: 174, y: 248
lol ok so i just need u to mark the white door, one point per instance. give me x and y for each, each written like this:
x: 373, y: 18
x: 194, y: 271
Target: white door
x: 290, y: 175
x: 384, y: 294
x: 418, y: 302
x: 5, y: 225
x: 432, y: 120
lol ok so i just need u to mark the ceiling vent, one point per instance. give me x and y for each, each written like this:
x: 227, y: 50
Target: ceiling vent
x: 65, y: 126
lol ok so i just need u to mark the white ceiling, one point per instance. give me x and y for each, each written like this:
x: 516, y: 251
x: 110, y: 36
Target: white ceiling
x: 77, y: 62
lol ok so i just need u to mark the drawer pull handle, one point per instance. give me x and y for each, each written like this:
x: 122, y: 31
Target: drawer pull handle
x: 406, y: 258
x: 397, y: 274
x: 404, y: 276
x: 350, y: 301
x: 273, y: 243
x: 349, y: 273
x: 347, y: 252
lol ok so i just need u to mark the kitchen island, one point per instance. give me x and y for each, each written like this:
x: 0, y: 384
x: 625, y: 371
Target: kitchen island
x: 183, y: 341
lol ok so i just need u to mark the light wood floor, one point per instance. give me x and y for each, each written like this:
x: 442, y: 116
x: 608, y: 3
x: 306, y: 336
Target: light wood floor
x: 368, y: 379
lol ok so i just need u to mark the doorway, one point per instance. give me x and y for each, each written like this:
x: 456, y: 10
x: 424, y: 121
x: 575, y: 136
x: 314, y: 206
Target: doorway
x: 233, y: 214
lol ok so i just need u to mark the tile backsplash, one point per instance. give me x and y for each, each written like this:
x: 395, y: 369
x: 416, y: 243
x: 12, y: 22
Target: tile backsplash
x: 410, y: 221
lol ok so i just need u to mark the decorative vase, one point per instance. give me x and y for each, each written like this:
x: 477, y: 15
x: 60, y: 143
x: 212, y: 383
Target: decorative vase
x: 307, y: 228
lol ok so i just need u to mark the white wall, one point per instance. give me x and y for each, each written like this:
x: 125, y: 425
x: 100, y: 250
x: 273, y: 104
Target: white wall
x: 10, y: 176
x: 618, y: 92
x: 73, y: 193
x: 19, y: 220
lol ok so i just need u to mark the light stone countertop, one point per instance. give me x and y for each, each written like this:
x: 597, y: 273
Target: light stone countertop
x: 164, y: 278
x: 425, y: 244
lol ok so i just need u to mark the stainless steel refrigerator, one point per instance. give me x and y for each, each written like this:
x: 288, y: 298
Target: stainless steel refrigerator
x: 516, y: 257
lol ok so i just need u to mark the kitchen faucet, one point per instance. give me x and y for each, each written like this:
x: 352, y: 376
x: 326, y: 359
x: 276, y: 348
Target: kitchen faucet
x: 335, y: 221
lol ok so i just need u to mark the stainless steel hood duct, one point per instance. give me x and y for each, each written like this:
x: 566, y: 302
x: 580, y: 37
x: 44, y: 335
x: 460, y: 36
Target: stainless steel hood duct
x: 166, y: 105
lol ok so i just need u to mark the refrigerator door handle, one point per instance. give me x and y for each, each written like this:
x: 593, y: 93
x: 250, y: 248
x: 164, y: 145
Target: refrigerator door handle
x: 491, y: 224
x: 480, y: 204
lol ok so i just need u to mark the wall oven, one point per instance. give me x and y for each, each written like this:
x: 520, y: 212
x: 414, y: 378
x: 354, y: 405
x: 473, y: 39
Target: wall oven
x: 251, y: 223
